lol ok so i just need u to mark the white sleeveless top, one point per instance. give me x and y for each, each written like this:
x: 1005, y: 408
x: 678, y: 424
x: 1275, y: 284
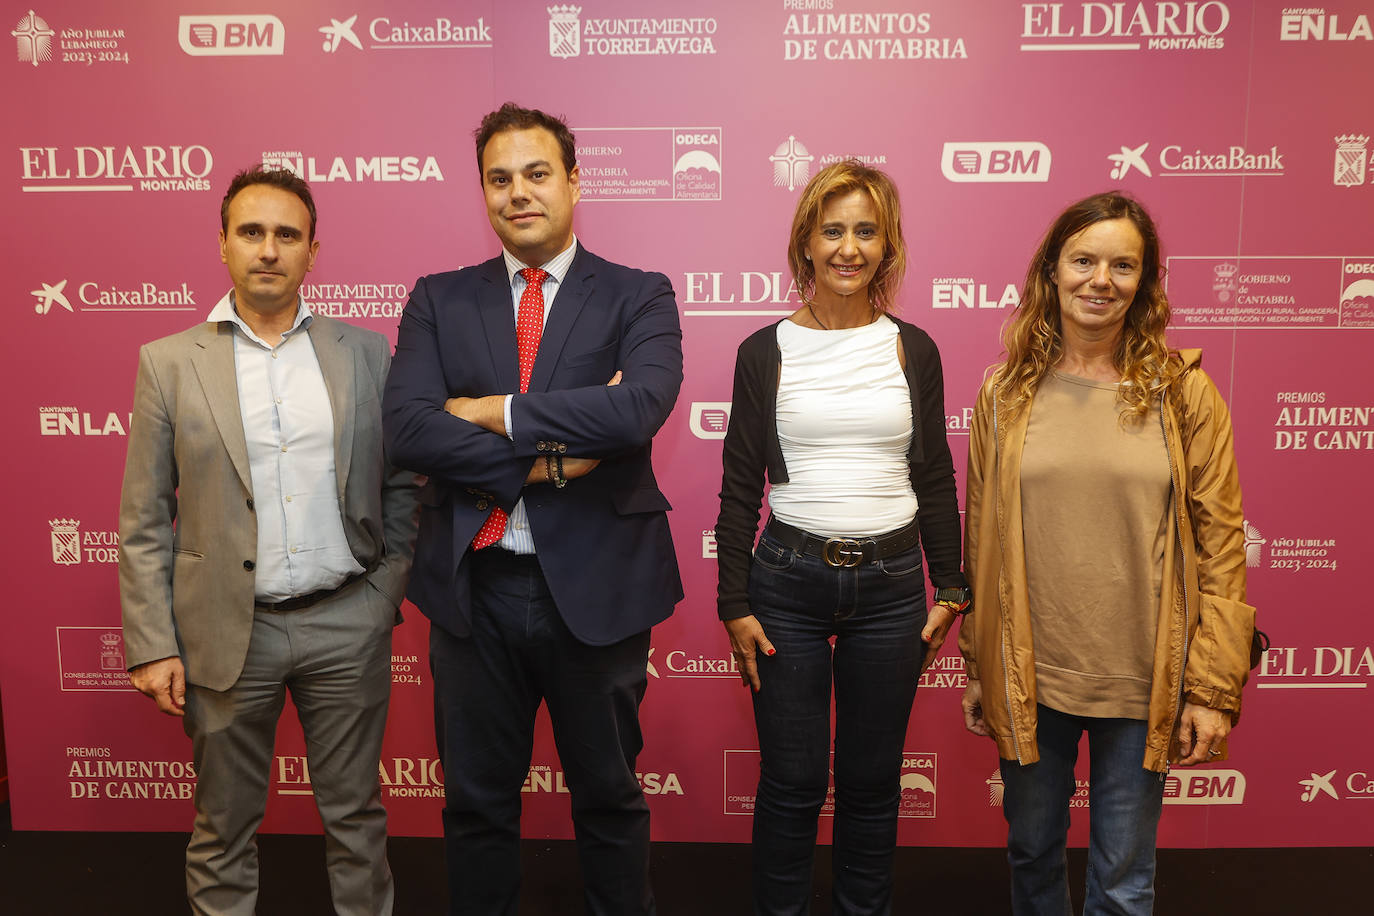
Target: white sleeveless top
x: 844, y: 424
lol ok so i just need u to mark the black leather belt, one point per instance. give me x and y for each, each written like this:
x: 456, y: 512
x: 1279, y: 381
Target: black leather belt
x: 840, y: 552
x: 305, y: 601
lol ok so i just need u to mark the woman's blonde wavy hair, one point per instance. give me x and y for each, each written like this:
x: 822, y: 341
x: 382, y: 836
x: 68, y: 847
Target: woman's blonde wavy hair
x: 1033, y: 336
x: 838, y: 180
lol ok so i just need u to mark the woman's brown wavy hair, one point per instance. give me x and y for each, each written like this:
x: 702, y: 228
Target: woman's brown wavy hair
x: 1033, y: 336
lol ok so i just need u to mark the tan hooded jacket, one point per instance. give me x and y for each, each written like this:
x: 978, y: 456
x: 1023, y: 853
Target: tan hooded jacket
x: 1202, y: 652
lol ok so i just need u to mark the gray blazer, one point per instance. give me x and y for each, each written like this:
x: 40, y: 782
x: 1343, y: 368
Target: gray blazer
x: 187, y: 588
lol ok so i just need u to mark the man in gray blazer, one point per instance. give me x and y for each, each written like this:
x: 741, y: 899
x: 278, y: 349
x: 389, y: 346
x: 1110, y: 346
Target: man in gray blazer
x: 265, y: 544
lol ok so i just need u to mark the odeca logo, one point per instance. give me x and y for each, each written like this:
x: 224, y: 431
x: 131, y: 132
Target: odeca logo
x: 917, y: 785
x: 996, y: 161
x: 231, y: 36
x: 710, y: 419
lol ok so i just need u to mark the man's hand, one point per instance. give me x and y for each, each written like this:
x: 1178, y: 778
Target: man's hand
x: 937, y: 625
x: 746, y: 641
x: 163, y: 680
x: 488, y: 412
x: 1200, y: 732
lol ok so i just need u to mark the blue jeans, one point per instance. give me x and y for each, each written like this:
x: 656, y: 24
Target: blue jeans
x: 875, y: 613
x: 1124, y: 804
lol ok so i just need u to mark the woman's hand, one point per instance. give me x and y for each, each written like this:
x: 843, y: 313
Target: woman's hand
x: 746, y: 641
x: 937, y: 625
x: 1201, y: 730
x: 972, y: 702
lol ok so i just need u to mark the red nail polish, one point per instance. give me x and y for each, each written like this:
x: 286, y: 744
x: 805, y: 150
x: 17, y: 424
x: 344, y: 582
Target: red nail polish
x: 772, y: 651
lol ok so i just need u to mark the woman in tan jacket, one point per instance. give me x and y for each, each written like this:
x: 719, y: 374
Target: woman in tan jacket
x: 1104, y: 545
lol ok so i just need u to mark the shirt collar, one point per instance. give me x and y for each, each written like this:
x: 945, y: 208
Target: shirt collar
x: 226, y: 310
x: 557, y: 266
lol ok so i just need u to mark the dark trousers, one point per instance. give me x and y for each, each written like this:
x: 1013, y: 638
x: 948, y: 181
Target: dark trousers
x: 487, y: 689
x: 874, y: 613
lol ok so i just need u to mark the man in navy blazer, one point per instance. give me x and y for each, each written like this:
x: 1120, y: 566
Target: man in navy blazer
x: 544, y: 554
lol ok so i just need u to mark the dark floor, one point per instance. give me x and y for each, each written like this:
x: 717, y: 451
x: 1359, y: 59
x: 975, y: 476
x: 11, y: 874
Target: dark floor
x: 127, y: 873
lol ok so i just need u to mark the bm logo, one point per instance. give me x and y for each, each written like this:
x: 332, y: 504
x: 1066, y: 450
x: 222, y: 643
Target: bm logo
x: 225, y: 36
x: 1205, y: 787
x: 1004, y: 160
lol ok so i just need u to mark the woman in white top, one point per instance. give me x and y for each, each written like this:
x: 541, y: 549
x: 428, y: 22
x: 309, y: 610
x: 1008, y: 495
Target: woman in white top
x: 842, y: 407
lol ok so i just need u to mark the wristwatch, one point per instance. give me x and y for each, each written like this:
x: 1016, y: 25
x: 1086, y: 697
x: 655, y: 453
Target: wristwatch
x: 958, y: 600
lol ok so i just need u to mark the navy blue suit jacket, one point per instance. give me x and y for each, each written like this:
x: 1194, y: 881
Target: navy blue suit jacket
x: 603, y: 541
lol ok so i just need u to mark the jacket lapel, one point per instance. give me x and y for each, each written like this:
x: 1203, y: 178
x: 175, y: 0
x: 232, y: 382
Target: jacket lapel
x: 213, y: 360
x: 568, y: 303
x: 336, y: 364
x: 497, y: 312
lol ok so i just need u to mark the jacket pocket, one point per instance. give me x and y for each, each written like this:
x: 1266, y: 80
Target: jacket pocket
x: 640, y: 499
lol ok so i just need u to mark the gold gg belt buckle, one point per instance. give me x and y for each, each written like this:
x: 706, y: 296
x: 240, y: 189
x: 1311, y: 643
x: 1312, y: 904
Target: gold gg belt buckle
x: 842, y: 552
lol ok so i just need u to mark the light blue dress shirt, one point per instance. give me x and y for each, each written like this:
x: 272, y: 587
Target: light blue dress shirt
x: 288, y: 425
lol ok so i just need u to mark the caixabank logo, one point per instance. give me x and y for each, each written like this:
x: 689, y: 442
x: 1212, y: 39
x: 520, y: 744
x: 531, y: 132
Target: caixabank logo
x: 1177, y: 160
x: 55, y: 298
x: 1337, y: 785
x: 400, y: 34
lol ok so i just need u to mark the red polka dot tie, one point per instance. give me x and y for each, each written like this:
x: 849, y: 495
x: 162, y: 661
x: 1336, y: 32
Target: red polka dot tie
x: 529, y: 327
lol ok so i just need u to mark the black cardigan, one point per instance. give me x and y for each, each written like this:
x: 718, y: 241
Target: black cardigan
x: 751, y: 447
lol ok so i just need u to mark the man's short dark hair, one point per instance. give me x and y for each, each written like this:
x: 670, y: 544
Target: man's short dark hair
x: 511, y: 116
x: 285, y: 179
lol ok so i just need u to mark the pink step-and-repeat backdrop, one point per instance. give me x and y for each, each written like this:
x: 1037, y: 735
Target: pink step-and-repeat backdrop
x: 1245, y: 127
